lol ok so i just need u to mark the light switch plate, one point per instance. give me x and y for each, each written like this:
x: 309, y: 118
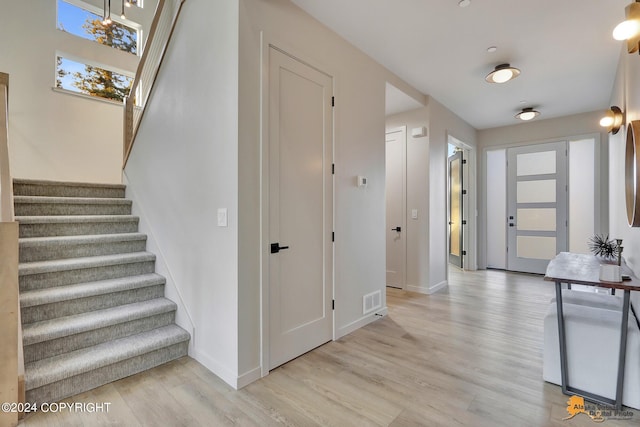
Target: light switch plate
x: 414, y: 213
x: 222, y: 217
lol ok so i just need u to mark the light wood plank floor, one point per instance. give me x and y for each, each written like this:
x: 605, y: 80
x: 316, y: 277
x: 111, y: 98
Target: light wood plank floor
x: 467, y: 356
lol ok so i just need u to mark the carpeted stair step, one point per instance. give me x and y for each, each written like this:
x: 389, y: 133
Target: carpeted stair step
x: 63, y: 247
x: 46, y: 274
x: 54, y: 378
x: 36, y: 205
x: 28, y: 187
x: 59, y: 301
x: 74, y: 225
x: 93, y: 309
x: 70, y: 333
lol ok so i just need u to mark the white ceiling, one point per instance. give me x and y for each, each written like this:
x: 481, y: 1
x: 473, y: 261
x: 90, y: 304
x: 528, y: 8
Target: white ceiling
x: 564, y: 49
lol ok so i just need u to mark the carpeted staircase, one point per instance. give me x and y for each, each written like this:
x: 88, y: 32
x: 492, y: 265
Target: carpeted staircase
x: 93, y: 310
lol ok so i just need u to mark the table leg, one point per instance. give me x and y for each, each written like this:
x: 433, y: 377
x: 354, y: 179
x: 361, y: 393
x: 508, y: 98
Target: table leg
x: 623, y: 348
x: 562, y: 339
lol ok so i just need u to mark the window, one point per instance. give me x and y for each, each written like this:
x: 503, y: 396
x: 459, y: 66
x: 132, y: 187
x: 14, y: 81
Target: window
x: 83, y: 23
x: 91, y: 80
x: 130, y: 3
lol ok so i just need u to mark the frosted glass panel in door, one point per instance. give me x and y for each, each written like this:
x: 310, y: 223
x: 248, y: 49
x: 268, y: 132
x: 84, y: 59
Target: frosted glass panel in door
x: 535, y: 247
x: 537, y: 219
x: 456, y: 188
x: 536, y: 163
x: 540, y: 191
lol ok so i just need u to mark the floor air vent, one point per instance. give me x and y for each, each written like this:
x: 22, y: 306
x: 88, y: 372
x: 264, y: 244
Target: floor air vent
x: 371, y: 302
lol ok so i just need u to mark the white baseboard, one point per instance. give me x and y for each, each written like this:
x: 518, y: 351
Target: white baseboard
x: 216, y: 368
x: 428, y: 290
x: 249, y: 377
x: 364, y: 320
x: 235, y: 381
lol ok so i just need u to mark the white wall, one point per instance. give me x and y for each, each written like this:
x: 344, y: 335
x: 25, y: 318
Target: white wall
x: 582, y: 198
x: 53, y: 135
x: 427, y: 254
x: 442, y: 123
x: 184, y: 166
x: 359, y: 129
x: 626, y: 95
x: 199, y: 149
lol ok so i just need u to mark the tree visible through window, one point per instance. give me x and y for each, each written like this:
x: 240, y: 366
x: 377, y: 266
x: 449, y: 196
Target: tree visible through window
x: 82, y: 23
x: 86, y: 78
x: 91, y: 80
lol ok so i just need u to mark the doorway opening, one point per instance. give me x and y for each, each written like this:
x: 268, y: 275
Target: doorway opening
x: 460, y: 205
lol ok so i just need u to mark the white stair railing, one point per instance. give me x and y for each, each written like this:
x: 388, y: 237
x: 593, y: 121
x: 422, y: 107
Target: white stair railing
x: 159, y: 35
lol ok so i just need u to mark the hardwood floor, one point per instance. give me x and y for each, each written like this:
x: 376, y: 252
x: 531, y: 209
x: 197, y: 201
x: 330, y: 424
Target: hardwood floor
x: 470, y: 355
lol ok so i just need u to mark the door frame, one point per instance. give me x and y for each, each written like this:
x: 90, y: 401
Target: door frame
x: 601, y: 194
x: 463, y: 209
x: 403, y: 130
x: 470, y: 203
x: 268, y: 42
x: 561, y: 203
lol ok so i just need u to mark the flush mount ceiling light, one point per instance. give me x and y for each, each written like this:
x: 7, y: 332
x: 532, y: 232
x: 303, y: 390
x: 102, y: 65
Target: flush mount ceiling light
x: 464, y: 3
x: 629, y: 29
x: 502, y: 74
x: 613, y: 119
x: 527, y: 114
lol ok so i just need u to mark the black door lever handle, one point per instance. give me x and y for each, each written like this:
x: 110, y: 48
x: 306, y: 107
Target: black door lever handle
x: 275, y: 248
x: 398, y: 229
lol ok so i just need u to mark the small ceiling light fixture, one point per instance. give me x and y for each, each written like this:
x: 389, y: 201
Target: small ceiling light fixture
x: 527, y: 114
x: 502, y: 74
x: 464, y: 3
x: 492, y: 49
x: 629, y: 29
x: 613, y: 119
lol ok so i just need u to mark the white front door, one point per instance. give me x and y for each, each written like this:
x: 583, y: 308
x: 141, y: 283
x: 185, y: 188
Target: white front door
x: 537, y: 205
x: 395, y: 191
x: 300, y: 208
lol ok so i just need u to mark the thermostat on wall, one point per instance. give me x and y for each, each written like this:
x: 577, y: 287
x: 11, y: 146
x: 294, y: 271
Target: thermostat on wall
x: 362, y: 181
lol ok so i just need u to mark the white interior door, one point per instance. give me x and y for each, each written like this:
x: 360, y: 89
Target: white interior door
x: 300, y: 208
x: 537, y: 205
x: 395, y: 190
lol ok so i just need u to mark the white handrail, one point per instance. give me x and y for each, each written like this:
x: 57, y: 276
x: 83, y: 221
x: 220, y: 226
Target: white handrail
x: 153, y: 53
x: 6, y: 185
